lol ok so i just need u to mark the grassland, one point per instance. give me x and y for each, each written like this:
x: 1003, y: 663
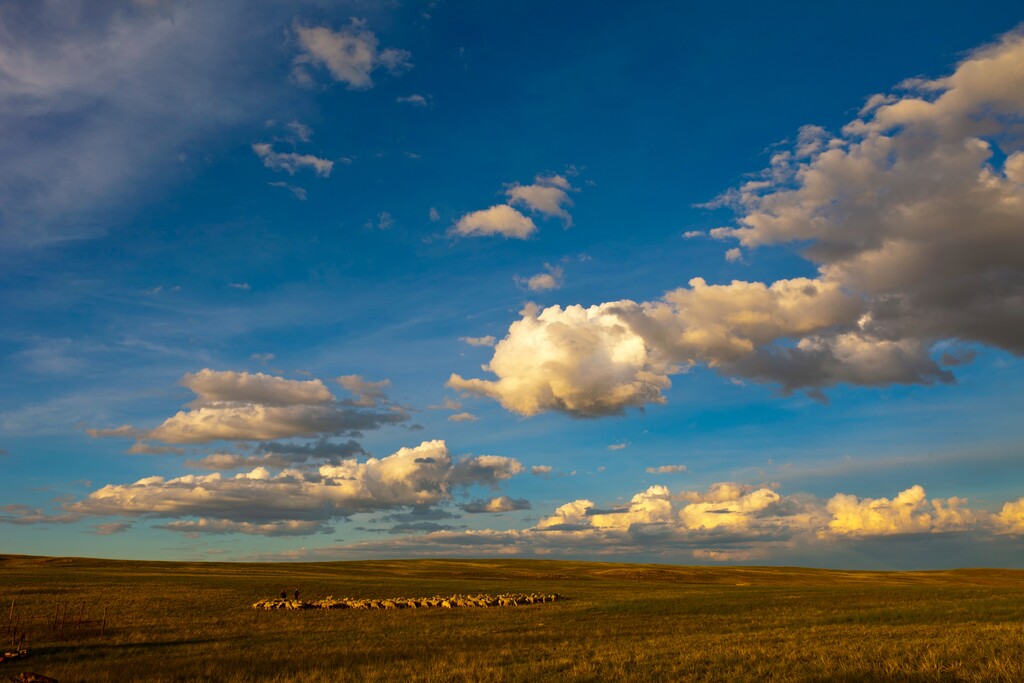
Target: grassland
x: 193, y: 622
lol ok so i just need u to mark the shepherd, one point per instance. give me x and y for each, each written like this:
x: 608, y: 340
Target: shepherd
x: 296, y: 593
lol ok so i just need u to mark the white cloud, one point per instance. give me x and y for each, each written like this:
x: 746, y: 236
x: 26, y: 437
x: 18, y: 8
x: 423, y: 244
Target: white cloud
x: 255, y: 406
x: 245, y: 286
x: 583, y: 361
x: 1011, y: 517
x: 499, y: 504
x: 350, y: 54
x: 541, y: 469
x: 666, y: 469
x: 214, y: 387
x: 547, y: 196
x: 605, y: 358
x: 914, y: 224
x: 500, y: 219
x: 541, y: 282
x: 291, y: 162
x: 414, y: 100
x: 294, y: 501
x: 909, y: 512
x: 728, y: 505
x: 734, y: 255
x: 478, y: 341
x: 910, y: 206
x: 433, y: 215
x: 463, y: 417
x: 621, y: 446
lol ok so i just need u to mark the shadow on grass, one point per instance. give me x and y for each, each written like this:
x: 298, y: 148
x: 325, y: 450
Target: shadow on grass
x: 156, y: 645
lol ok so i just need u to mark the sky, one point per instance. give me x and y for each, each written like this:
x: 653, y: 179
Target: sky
x: 696, y: 283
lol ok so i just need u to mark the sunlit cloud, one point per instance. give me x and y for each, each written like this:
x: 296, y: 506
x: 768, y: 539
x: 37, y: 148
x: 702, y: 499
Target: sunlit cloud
x: 913, y: 216
x: 292, y: 501
x: 547, y: 195
x: 908, y: 512
x: 291, y: 162
x: 350, y: 55
x: 500, y: 219
x: 488, y: 340
x: 499, y: 504
x: 667, y: 469
x: 259, y: 407
x: 552, y: 278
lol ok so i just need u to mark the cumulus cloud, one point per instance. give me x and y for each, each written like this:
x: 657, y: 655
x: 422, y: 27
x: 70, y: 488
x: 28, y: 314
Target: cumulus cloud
x: 1011, y: 518
x: 909, y: 512
x: 259, y: 407
x: 726, y: 515
x: 292, y: 501
x: 911, y: 206
x: 291, y: 162
x: 728, y: 505
x: 541, y: 282
x: 214, y: 387
x: 500, y: 219
x: 499, y: 504
x: 913, y: 215
x: 541, y: 469
x: 547, y: 195
x: 350, y: 55
x: 489, y: 340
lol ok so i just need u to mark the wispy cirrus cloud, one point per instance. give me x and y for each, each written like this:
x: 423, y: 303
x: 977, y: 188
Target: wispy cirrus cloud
x: 100, y: 105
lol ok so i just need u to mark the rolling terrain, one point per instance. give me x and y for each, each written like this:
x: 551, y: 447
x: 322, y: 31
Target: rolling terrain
x: 104, y: 620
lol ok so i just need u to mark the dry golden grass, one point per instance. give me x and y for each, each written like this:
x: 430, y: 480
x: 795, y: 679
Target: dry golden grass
x: 194, y: 622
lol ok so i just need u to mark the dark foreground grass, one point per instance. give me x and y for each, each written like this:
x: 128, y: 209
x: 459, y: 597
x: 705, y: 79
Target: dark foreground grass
x: 194, y: 622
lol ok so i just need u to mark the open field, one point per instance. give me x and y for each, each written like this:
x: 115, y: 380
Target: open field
x: 194, y: 622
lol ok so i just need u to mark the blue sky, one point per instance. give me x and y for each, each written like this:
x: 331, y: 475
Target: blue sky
x: 654, y: 282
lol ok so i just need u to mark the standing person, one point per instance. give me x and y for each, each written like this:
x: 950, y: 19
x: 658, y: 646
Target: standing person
x: 284, y: 595
x: 296, y: 593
